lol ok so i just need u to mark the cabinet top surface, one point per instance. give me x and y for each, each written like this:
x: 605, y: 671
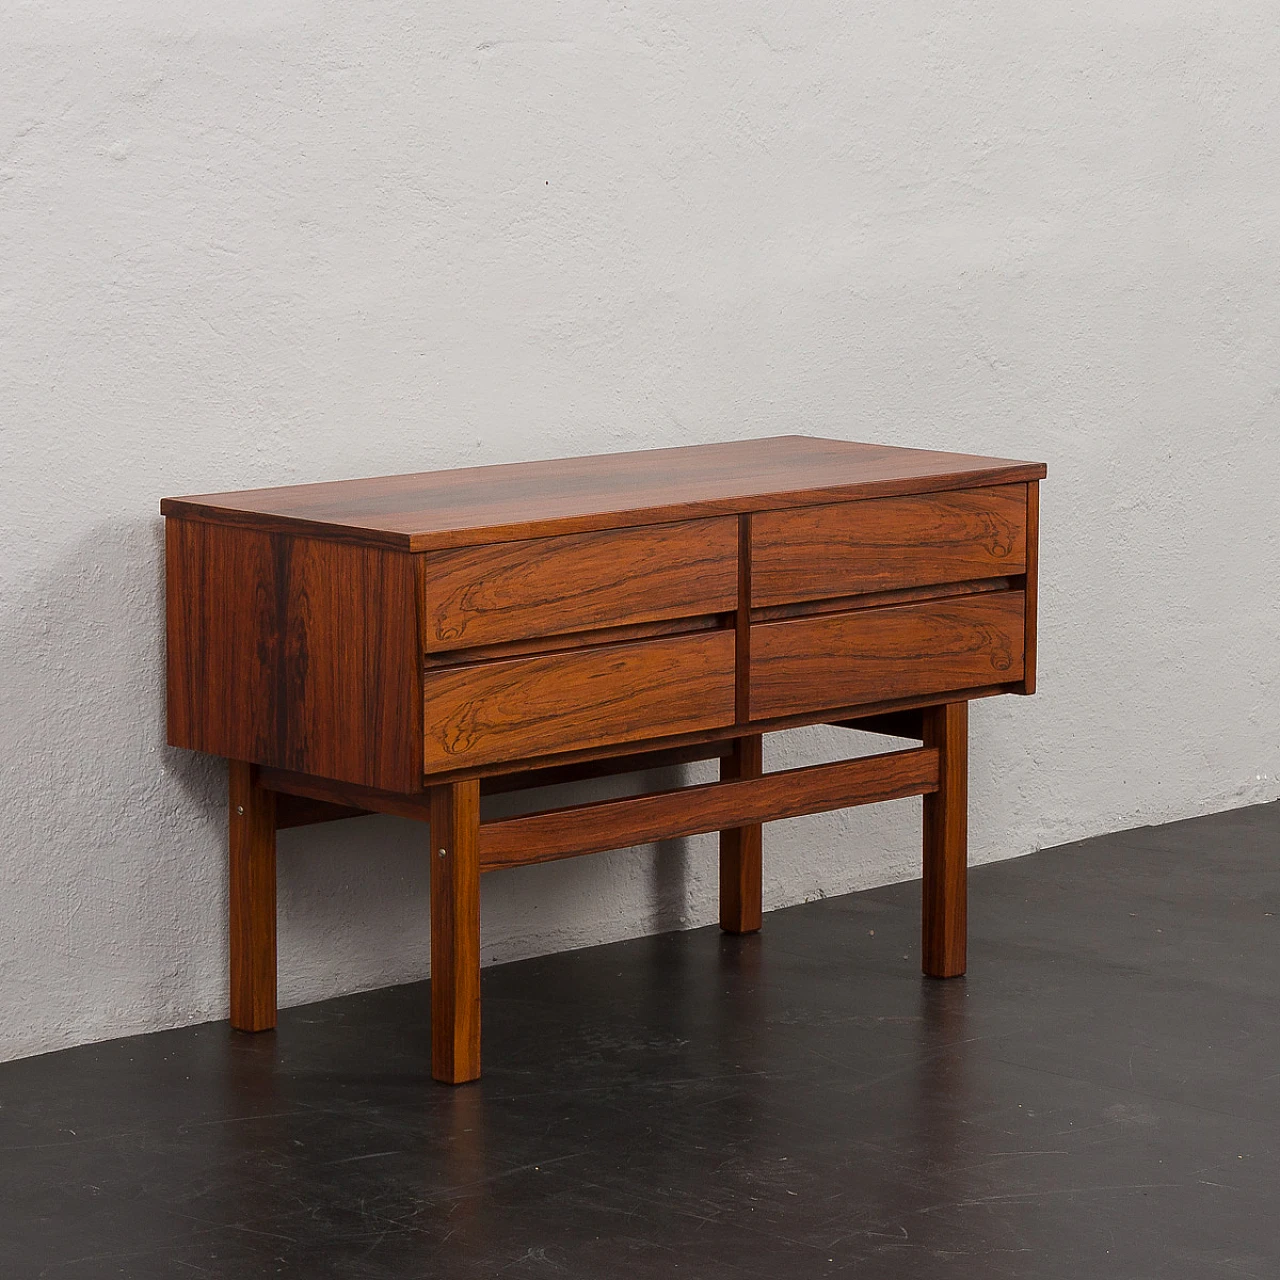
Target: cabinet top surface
x: 432, y: 509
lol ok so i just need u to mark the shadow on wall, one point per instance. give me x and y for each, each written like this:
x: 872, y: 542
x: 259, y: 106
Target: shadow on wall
x: 107, y: 896
x: 114, y: 866
x: 644, y: 889
x: 113, y: 859
x: 354, y: 896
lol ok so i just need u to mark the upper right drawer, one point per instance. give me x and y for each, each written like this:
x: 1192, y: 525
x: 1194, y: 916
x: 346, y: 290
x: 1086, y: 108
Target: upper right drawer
x: 883, y: 544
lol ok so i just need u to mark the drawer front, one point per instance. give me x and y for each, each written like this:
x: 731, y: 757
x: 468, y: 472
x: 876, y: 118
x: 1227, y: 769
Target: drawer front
x: 519, y: 708
x: 508, y: 591
x: 818, y: 553
x: 871, y: 655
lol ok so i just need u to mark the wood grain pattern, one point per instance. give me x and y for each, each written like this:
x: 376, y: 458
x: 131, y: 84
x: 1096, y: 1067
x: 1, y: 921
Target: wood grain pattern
x: 251, y: 831
x: 741, y: 848
x: 523, y: 707
x: 455, y: 932
x: 1032, y: 587
x: 888, y: 544
x: 946, y: 844
x: 713, y: 806
x: 845, y: 659
x: 294, y: 653
x: 547, y: 586
x: 476, y: 505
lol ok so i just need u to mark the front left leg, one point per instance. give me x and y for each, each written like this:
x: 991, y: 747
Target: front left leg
x: 455, y: 931
x: 251, y: 831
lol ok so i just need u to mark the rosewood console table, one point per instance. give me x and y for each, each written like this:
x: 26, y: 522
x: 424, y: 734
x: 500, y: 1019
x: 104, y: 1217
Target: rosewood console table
x: 404, y: 645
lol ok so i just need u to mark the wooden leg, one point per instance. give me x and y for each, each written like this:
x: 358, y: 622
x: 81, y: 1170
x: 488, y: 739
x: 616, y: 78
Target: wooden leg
x: 740, y: 849
x: 455, y: 932
x: 946, y: 843
x: 252, y: 850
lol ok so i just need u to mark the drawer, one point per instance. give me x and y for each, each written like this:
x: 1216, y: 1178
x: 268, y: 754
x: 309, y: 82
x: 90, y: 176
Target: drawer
x: 508, y: 591
x: 518, y: 708
x: 900, y: 651
x: 818, y: 553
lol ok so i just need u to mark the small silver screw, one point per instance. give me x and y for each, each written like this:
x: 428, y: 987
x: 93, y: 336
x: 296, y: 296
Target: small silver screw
x: 442, y: 853
x: 240, y: 808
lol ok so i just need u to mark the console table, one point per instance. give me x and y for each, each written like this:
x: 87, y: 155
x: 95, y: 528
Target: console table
x: 408, y: 644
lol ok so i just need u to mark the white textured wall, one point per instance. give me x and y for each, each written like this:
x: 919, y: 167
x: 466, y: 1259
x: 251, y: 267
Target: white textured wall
x: 248, y: 244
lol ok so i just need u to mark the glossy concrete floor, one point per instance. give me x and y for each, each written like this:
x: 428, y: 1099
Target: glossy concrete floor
x: 1099, y: 1098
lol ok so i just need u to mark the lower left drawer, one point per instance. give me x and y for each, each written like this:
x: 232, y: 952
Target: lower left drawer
x: 516, y: 709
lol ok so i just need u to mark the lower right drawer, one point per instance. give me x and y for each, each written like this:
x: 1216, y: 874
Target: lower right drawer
x: 804, y: 664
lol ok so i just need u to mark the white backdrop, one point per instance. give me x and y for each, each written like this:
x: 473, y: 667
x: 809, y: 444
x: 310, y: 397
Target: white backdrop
x: 248, y: 244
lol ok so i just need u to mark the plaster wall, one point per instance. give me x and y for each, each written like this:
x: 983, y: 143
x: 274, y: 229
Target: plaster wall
x: 249, y: 244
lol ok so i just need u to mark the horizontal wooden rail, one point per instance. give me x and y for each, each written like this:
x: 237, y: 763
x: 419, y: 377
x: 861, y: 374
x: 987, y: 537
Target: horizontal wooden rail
x: 712, y: 806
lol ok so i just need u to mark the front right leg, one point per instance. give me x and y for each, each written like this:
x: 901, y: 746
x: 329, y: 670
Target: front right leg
x: 741, y: 869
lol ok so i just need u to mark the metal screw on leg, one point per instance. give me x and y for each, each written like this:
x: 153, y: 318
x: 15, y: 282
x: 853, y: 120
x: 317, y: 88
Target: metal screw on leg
x: 240, y: 810
x: 442, y: 853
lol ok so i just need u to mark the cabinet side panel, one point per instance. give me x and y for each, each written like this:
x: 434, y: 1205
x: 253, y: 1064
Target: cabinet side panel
x: 220, y: 609
x: 349, y: 680
x: 1032, y: 590
x: 294, y: 652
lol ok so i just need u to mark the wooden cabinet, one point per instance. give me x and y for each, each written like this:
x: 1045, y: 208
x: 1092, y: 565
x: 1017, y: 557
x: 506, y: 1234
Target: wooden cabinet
x: 396, y: 644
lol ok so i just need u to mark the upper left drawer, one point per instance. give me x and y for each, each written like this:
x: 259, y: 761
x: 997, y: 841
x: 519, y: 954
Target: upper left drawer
x: 505, y: 591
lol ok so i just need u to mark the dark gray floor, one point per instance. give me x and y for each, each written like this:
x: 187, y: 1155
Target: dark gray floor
x: 1099, y: 1098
